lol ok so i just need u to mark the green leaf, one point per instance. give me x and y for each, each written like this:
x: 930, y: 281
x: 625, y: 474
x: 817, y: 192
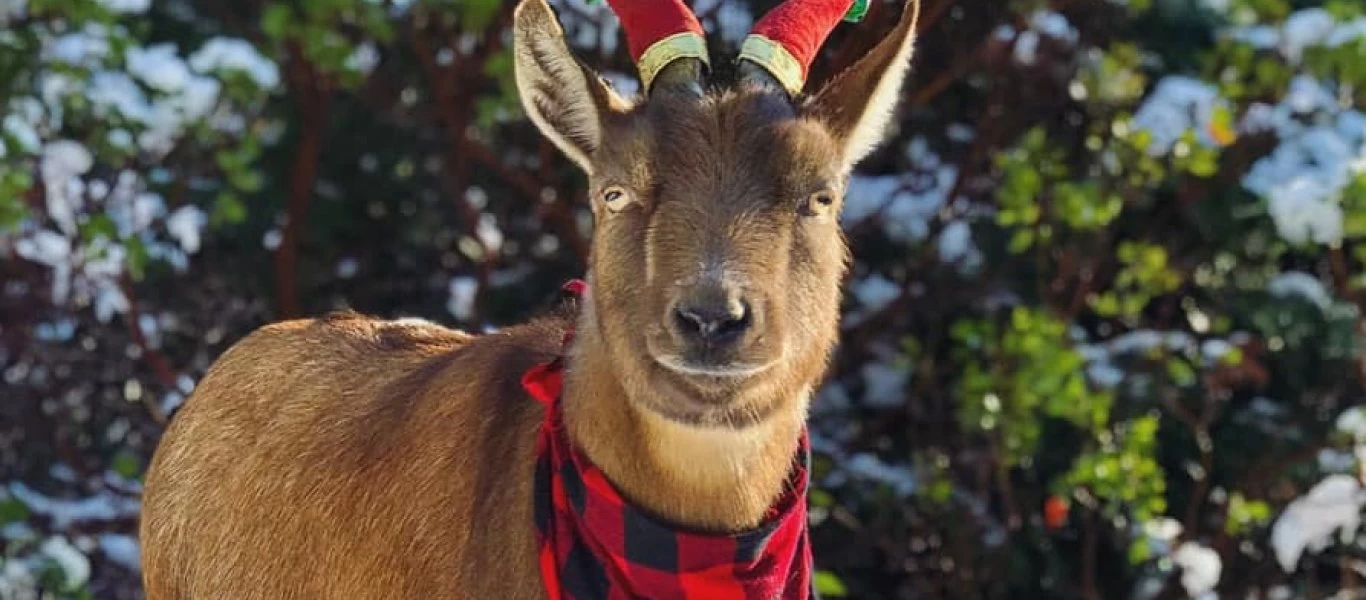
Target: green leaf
x: 275, y: 20
x: 228, y: 209
x: 137, y: 258
x: 1203, y: 163
x: 1181, y: 373
x: 1021, y: 241
x: 12, y: 210
x: 12, y: 511
x: 98, y: 225
x: 828, y: 584
x: 126, y: 465
x: 475, y: 15
x: 821, y: 498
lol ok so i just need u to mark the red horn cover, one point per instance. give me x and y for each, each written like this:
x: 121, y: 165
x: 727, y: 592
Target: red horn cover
x: 786, y: 40
x: 659, y: 32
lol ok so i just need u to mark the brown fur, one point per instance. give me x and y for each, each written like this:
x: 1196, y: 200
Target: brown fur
x: 350, y: 457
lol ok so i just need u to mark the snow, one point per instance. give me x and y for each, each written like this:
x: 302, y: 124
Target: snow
x: 84, y: 48
x: 171, y: 401
x: 347, y: 268
x: 158, y: 66
x: 955, y: 242
x: 1164, y: 529
x: 1309, y: 522
x: 1303, y: 29
x: 1353, y: 422
x: 1304, y: 177
x: 185, y: 225
x: 1297, y: 284
x: 1054, y: 25
x: 11, y: 9
x: 1177, y: 104
x: 463, y: 291
x: 272, y: 239
x: 45, y: 247
x: 1315, y: 27
x: 875, y: 292
x: 867, y: 466
x: 122, y: 550
x: 1200, y: 568
x: 126, y: 6
x: 363, y: 59
x: 17, y: 582
x: 232, y: 54
x: 1042, y: 23
x: 64, y: 513
x: 1215, y: 349
x: 63, y: 161
x: 488, y: 233
x: 22, y: 132
x: 1027, y: 47
x: 133, y: 213
x: 1302, y: 214
x: 905, y: 214
x: 884, y: 385
x: 117, y: 91
x: 956, y: 246
x: 74, y: 564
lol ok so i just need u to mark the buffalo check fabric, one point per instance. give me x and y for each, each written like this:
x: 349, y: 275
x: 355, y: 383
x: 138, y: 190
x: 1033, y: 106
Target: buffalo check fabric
x: 594, y: 545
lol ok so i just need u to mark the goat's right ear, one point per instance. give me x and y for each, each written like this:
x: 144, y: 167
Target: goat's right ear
x: 858, y: 104
x: 566, y: 100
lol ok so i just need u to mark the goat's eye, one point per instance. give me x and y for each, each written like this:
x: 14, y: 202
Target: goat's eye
x: 818, y: 204
x: 615, y: 198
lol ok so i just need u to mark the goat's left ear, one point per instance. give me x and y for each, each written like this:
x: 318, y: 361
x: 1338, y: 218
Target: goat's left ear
x: 857, y: 105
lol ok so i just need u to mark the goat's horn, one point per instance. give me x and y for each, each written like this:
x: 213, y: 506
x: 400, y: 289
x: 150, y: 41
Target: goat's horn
x: 785, y: 41
x: 665, y: 41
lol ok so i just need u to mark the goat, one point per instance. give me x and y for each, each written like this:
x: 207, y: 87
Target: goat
x: 353, y: 457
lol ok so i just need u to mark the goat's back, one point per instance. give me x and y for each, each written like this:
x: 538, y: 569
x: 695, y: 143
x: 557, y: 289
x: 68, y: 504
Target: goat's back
x: 347, y: 457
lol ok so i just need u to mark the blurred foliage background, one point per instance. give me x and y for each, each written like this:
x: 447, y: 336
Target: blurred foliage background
x: 1103, y: 336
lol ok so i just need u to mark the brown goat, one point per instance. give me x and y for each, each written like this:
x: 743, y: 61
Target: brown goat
x: 354, y: 458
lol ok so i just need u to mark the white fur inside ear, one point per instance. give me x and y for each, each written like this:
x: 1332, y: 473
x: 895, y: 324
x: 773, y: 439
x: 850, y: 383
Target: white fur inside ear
x: 554, y: 89
x: 871, y: 128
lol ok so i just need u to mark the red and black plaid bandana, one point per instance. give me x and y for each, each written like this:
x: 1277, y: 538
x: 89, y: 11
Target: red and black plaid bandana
x: 596, y: 546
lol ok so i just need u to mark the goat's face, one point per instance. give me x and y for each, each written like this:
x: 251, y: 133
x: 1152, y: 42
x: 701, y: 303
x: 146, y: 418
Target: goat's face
x: 717, y: 255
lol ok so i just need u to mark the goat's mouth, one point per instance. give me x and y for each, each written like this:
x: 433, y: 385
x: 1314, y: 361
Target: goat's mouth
x: 695, y: 369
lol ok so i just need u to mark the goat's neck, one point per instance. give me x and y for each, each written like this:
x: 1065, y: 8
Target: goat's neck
x: 708, y: 478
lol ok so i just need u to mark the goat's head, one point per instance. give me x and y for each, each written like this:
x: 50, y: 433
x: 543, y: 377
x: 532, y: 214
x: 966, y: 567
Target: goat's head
x: 717, y: 257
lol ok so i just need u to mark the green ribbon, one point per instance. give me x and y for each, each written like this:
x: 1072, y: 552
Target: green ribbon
x: 856, y: 11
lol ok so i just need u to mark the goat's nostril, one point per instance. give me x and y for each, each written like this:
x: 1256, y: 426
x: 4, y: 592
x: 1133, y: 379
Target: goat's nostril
x: 713, y: 323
